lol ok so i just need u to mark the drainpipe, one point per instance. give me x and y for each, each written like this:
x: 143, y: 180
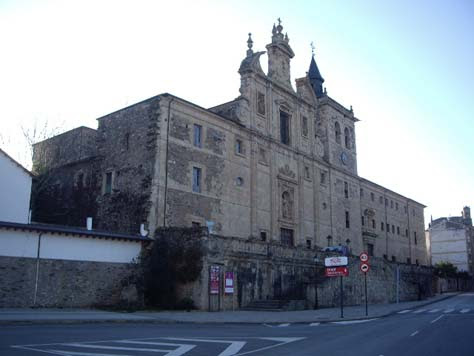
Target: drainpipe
x: 166, y: 161
x: 37, y: 267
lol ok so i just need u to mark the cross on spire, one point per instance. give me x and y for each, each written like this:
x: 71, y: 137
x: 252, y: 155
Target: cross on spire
x: 312, y: 48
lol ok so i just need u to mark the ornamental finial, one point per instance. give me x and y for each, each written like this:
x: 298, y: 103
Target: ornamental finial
x: 249, y: 45
x: 312, y: 48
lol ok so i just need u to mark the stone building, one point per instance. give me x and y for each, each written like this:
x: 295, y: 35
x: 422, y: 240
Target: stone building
x: 451, y: 239
x: 275, y: 165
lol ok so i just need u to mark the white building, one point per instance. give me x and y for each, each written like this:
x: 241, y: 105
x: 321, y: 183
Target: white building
x: 15, y: 190
x: 451, y: 240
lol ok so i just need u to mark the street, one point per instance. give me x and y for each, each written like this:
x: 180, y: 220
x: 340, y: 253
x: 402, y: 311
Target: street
x: 442, y: 328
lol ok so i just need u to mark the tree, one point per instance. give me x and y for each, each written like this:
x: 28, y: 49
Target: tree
x: 445, y: 270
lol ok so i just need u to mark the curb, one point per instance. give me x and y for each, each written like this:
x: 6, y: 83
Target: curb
x: 172, y: 321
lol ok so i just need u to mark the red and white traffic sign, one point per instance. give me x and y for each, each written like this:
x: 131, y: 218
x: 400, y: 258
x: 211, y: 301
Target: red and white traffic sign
x: 364, y: 267
x: 364, y: 257
x: 337, y: 271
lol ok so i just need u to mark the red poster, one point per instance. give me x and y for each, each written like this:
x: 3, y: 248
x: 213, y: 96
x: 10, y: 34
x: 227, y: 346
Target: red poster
x: 229, y: 283
x: 214, y: 280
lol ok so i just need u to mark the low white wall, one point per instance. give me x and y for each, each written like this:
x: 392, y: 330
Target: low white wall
x: 16, y: 243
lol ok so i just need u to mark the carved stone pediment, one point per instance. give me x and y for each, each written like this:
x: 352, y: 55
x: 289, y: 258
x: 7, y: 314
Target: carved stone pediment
x: 286, y: 171
x: 370, y: 213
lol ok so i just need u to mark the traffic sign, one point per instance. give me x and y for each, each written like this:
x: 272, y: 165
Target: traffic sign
x: 337, y: 271
x: 335, y: 261
x: 364, y: 267
x: 364, y: 257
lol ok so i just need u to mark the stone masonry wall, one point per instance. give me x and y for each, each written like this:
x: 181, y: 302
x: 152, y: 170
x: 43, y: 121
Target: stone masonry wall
x: 265, y: 270
x: 64, y: 283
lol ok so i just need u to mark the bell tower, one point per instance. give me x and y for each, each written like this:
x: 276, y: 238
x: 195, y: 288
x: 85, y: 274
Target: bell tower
x: 279, y: 56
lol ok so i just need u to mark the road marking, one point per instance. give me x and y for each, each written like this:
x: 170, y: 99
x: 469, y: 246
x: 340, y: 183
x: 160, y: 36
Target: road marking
x: 284, y: 325
x: 234, y: 347
x: 277, y: 326
x: 283, y: 340
x: 434, y: 310
x: 314, y: 324
x: 419, y: 311
x: 448, y: 311
x: 439, y: 317
x: 404, y: 311
x: 115, y: 347
x: 416, y: 332
x: 75, y: 353
x: 465, y: 310
x: 181, y: 350
x: 348, y: 322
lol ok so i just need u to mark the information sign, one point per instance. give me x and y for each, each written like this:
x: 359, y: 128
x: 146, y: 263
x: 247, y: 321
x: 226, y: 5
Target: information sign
x: 335, y: 261
x: 214, y: 280
x: 337, y: 271
x: 229, y: 283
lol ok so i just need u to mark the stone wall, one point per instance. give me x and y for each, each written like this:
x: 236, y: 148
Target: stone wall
x: 265, y: 270
x: 64, y: 283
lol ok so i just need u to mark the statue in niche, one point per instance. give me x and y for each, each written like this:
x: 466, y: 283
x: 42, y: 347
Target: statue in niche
x: 287, y: 205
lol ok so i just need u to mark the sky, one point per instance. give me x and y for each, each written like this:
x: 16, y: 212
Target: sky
x: 406, y: 67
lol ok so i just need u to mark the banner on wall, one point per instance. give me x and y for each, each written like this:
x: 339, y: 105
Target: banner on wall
x: 229, y: 283
x: 214, y: 280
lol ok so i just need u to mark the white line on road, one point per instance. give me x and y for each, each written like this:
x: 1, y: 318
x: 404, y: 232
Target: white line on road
x: 416, y: 332
x: 181, y: 350
x: 465, y: 310
x: 448, y: 311
x: 232, y: 349
x: 404, y: 311
x: 74, y: 353
x: 284, y: 325
x: 114, y: 348
x: 434, y: 310
x: 435, y: 320
x: 348, y: 322
x: 314, y: 324
x: 419, y: 311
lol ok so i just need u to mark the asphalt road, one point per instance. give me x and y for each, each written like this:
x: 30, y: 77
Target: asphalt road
x: 443, y: 328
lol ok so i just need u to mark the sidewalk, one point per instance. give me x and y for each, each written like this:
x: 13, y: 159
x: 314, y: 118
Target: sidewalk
x: 74, y: 316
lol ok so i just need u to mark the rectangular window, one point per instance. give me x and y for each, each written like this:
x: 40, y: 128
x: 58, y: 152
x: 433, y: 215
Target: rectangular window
x: 261, y: 103
x: 308, y: 244
x: 394, y: 259
x: 346, y: 190
x: 393, y: 229
x: 370, y: 249
x: 391, y: 204
x: 304, y: 126
x: 385, y: 257
x: 396, y: 206
x: 414, y: 237
x: 197, y: 135
x: 196, y: 179
x: 398, y: 230
x: 406, y: 232
x: 108, y: 183
x: 307, y: 174
x: 406, y: 209
x: 373, y: 224
x: 361, y: 192
x: 348, y: 224
x: 284, y: 128
x: 239, y: 148
x: 381, y: 200
x: 409, y: 260
x: 381, y: 225
x: 263, y: 235
x: 386, y: 202
x: 286, y: 236
x: 362, y: 220
x: 323, y: 178
x: 372, y: 196
x: 417, y: 263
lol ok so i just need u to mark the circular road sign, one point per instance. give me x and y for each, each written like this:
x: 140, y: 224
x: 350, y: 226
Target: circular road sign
x: 364, y: 257
x: 364, y: 267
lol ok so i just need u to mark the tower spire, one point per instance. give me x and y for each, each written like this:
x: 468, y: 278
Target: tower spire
x: 314, y: 75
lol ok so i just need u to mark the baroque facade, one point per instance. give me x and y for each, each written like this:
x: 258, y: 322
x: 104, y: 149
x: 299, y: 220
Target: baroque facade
x: 275, y: 164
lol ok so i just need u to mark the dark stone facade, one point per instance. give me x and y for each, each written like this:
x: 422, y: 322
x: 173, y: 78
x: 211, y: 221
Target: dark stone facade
x: 63, y: 283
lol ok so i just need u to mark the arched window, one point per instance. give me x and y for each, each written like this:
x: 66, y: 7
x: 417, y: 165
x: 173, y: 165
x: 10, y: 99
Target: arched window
x: 347, y: 138
x: 337, y: 129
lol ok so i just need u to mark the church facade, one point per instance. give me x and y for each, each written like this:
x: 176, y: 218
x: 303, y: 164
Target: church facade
x: 275, y: 165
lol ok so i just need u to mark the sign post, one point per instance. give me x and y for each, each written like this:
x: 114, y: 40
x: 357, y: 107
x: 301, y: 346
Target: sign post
x: 337, y: 267
x: 364, y: 267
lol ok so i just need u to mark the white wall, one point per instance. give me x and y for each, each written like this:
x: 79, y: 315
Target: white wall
x: 25, y: 244
x: 15, y: 190
x: 449, y: 245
